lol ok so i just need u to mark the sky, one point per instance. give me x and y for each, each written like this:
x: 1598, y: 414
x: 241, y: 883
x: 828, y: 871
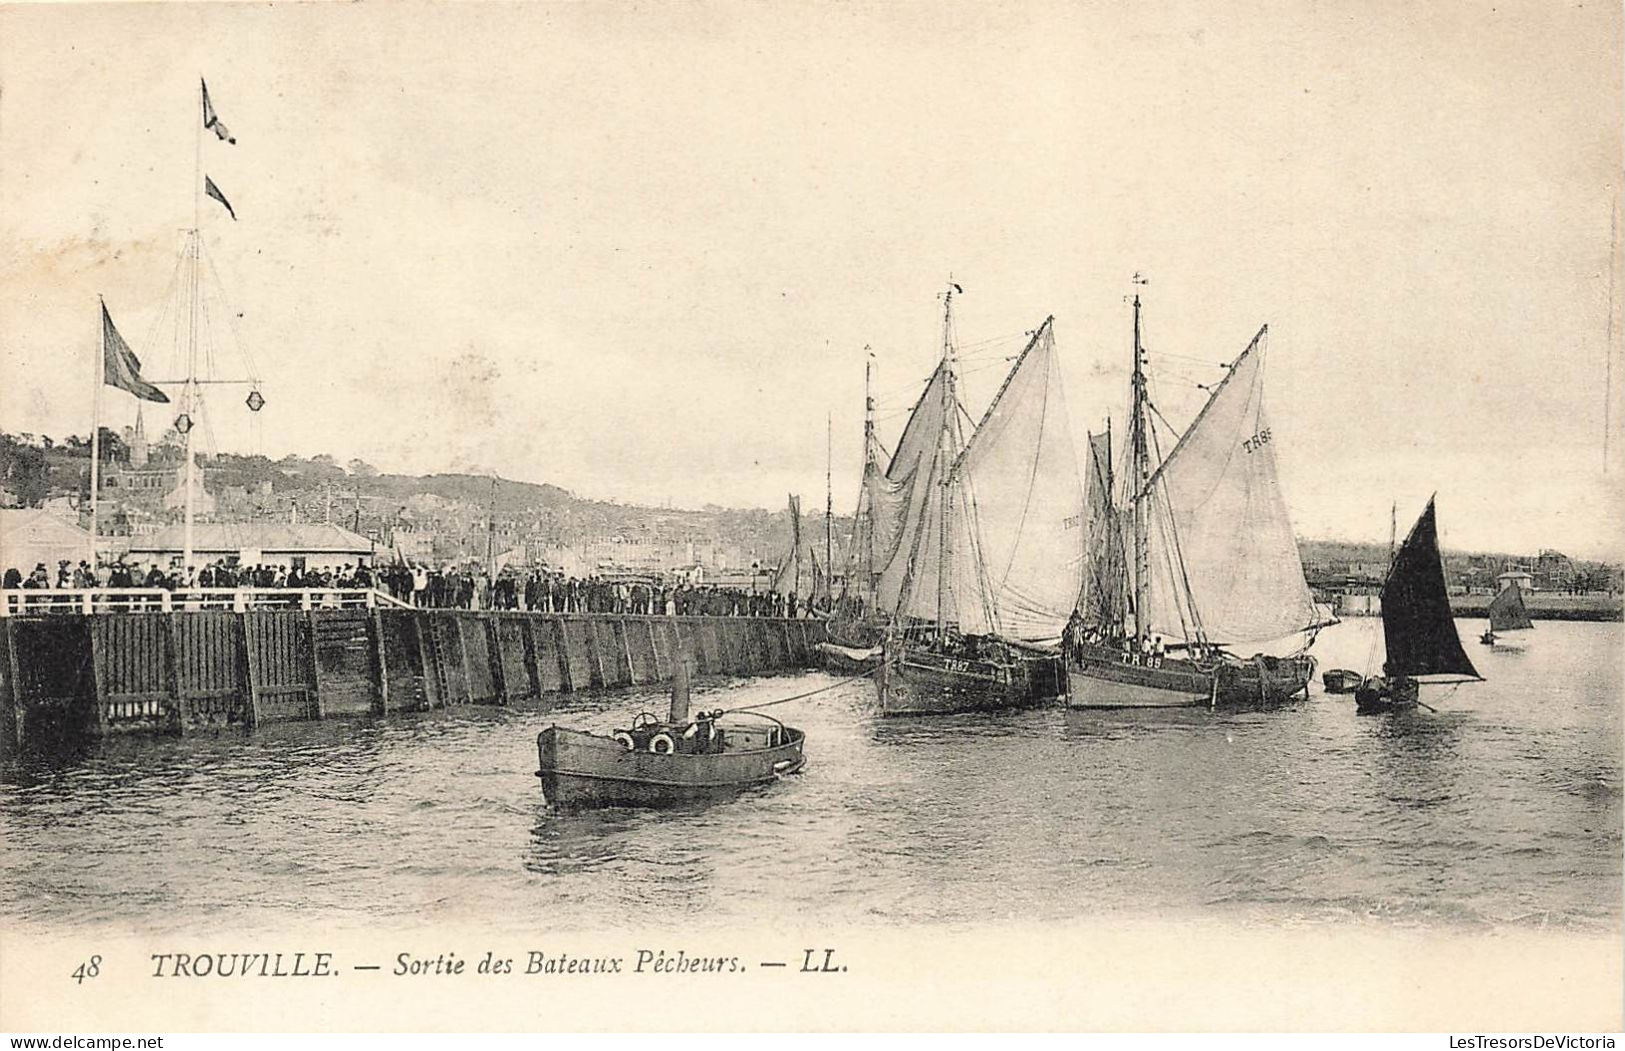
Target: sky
x: 639, y: 251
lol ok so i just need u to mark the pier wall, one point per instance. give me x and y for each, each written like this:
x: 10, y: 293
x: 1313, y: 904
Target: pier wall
x: 178, y: 672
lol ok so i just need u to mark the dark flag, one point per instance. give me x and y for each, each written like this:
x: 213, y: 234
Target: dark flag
x: 120, y: 367
x: 214, y: 191
x: 211, y: 120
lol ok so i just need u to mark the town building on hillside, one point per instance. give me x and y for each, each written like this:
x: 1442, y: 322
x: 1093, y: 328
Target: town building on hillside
x: 1553, y: 570
x: 34, y: 536
x: 302, y: 545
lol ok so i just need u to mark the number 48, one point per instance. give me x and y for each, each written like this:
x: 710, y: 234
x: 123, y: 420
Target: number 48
x: 89, y: 969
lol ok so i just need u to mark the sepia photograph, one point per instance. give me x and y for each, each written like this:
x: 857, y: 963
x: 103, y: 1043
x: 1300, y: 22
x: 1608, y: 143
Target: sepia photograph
x: 813, y: 516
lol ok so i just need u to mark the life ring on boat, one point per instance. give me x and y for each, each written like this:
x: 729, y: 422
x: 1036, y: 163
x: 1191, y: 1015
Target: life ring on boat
x: 662, y: 744
x: 625, y: 740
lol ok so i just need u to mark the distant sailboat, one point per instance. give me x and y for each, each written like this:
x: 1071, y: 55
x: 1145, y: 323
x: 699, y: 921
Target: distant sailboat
x: 800, y: 572
x: 1506, y: 613
x: 1195, y: 555
x: 1417, y: 628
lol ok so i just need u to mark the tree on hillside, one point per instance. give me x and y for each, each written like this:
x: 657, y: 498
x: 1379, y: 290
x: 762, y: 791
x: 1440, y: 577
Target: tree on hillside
x: 22, y: 469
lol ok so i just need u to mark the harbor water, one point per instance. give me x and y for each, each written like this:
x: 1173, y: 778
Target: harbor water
x: 1501, y: 809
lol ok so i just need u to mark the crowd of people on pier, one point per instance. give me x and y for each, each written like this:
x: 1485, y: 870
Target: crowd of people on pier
x: 121, y: 574
x: 547, y: 591
x: 537, y: 589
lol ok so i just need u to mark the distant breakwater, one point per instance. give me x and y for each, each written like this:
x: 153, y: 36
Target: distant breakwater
x: 1540, y: 606
x: 177, y: 673
x: 1547, y: 607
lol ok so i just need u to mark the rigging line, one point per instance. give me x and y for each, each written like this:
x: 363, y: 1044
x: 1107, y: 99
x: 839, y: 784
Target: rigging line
x: 1160, y: 417
x: 1008, y: 337
x: 1187, y: 358
x: 973, y: 527
x: 1174, y: 552
x: 168, y: 302
x: 231, y: 322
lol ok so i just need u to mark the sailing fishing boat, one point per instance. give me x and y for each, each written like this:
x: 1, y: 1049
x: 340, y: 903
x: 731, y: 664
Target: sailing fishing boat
x: 1417, y: 628
x: 970, y: 530
x: 1190, y: 557
x: 1506, y: 613
x: 856, y: 626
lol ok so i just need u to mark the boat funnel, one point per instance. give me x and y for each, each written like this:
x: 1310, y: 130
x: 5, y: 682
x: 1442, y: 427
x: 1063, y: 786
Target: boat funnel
x: 679, y: 686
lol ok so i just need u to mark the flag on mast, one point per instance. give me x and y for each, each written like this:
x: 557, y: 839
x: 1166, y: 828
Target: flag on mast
x: 120, y: 367
x: 211, y: 120
x: 214, y: 191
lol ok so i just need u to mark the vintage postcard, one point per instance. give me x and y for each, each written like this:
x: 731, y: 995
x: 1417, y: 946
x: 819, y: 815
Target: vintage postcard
x: 811, y: 517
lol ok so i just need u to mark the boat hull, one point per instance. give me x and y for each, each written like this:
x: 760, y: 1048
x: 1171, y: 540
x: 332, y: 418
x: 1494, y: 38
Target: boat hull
x: 1377, y: 695
x: 919, y: 682
x: 583, y: 770
x: 1103, y: 677
x: 1341, y: 680
x: 849, y: 660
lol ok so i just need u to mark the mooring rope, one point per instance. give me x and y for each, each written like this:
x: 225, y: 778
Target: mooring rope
x: 802, y: 696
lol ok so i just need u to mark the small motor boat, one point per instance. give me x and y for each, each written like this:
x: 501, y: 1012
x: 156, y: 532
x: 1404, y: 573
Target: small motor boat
x: 654, y: 762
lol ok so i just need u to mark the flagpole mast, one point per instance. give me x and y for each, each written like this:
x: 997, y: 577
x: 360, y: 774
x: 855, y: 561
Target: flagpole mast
x: 188, y: 403
x: 96, y: 437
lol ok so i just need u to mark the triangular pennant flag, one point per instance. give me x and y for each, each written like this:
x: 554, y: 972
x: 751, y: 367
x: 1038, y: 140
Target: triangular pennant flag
x: 211, y: 120
x: 214, y: 191
x: 120, y: 367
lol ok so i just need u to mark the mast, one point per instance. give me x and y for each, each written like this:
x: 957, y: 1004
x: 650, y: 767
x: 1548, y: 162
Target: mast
x: 1393, y: 529
x: 829, y: 501
x: 189, y: 400
x: 491, y: 532
x: 1141, y: 471
x: 189, y: 404
x: 1608, y: 336
x: 96, y: 437
x: 868, y: 444
x: 947, y: 455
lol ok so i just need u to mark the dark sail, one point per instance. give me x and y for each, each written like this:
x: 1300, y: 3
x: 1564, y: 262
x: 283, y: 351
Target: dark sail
x: 1507, y: 612
x: 1416, y: 622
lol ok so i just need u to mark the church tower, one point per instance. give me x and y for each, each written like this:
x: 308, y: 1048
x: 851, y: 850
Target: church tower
x: 138, y: 442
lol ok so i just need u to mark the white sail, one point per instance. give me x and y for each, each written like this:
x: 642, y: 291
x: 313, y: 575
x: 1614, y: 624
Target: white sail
x: 1223, y: 555
x: 1019, y: 505
x: 1101, y: 601
x: 904, y: 508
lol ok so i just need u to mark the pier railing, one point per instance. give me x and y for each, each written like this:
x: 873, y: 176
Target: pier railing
x: 19, y: 602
